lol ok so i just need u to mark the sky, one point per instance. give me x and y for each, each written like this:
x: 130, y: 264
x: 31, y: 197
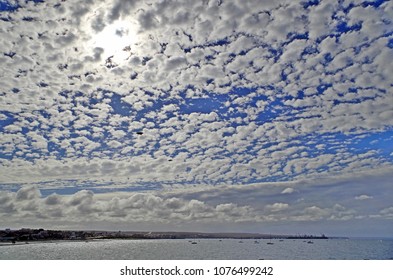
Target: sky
x: 214, y: 115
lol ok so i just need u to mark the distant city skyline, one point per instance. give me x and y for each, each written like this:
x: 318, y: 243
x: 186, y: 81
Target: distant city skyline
x: 209, y: 116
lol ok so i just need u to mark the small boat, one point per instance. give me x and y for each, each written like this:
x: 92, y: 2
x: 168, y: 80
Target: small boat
x: 310, y: 242
x: 194, y: 242
x: 269, y: 243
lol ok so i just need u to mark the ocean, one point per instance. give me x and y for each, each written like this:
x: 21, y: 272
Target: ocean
x: 203, y: 249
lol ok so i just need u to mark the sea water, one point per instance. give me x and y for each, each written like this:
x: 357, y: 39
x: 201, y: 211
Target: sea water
x: 203, y: 249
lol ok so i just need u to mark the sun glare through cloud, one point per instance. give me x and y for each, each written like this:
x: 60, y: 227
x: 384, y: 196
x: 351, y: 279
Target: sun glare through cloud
x: 116, y: 40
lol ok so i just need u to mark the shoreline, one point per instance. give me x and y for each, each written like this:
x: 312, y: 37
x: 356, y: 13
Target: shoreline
x: 30, y: 235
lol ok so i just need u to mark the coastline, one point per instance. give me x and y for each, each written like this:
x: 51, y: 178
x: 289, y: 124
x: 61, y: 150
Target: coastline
x: 33, y: 235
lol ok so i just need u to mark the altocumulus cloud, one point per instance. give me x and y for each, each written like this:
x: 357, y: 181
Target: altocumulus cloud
x: 217, y: 113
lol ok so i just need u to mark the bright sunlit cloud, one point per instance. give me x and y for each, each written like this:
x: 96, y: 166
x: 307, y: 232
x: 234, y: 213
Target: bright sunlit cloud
x: 116, y: 40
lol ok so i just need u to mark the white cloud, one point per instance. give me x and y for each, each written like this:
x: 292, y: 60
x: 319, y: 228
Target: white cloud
x: 277, y: 207
x: 288, y: 191
x: 363, y: 197
x: 387, y: 213
x: 85, y: 206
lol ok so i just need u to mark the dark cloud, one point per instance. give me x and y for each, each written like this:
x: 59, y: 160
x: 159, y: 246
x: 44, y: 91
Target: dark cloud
x: 53, y: 199
x: 28, y: 193
x: 147, y: 20
x: 121, y: 8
